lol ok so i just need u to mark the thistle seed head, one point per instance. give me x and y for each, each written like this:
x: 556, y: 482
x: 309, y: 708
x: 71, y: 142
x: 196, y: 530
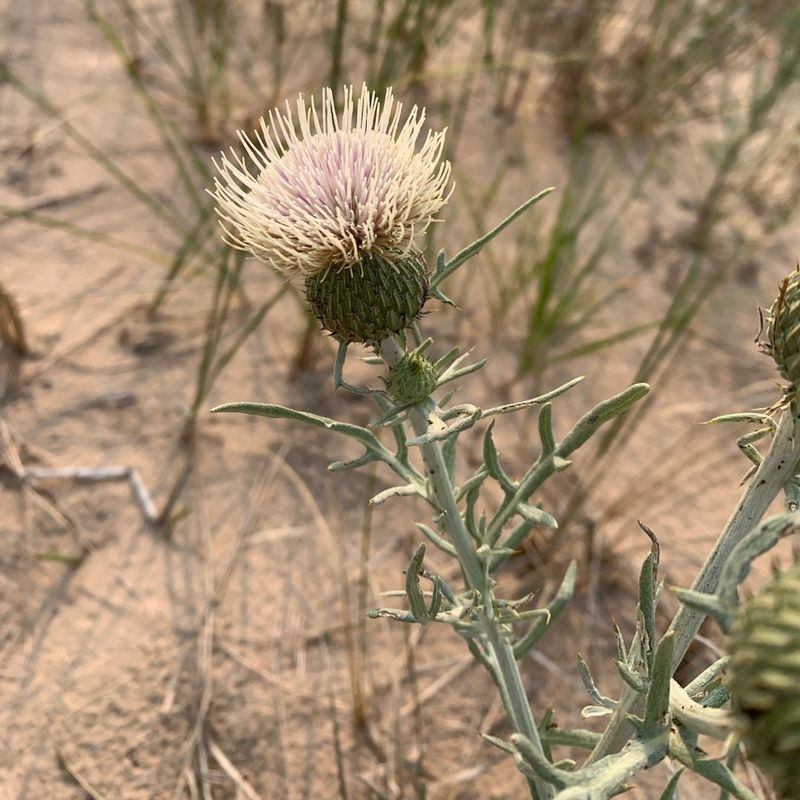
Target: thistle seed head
x: 765, y: 680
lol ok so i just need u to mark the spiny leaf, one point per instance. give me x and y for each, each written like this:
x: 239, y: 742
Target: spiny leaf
x: 415, y: 597
x: 445, y: 270
x: 558, y: 604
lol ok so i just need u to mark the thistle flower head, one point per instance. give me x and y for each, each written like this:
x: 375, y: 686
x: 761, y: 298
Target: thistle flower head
x: 320, y: 190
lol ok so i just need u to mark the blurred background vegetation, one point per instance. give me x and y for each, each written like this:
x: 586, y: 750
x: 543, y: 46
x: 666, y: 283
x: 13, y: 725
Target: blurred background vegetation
x: 615, y: 103
x: 670, y: 129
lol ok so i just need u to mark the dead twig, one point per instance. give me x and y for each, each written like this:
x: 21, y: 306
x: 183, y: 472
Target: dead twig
x: 73, y: 772
x: 230, y: 770
x: 98, y: 475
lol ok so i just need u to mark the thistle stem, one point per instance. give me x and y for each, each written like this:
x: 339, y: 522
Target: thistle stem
x: 501, y: 652
x: 775, y: 470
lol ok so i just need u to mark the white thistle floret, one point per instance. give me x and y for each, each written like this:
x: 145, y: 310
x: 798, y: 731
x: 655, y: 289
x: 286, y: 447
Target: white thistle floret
x: 326, y: 189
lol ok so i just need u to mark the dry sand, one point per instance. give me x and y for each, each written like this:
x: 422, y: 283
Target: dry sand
x: 221, y: 647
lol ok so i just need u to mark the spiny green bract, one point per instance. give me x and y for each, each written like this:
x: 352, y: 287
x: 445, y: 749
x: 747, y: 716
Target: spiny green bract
x: 412, y: 379
x: 378, y: 297
x: 765, y: 680
x: 783, y: 332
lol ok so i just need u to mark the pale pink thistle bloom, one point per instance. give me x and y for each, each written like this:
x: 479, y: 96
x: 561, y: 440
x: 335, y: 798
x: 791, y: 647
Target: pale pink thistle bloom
x: 327, y: 189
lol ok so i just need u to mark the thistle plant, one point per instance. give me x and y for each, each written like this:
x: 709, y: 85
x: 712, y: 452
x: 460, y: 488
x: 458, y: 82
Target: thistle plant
x: 337, y: 201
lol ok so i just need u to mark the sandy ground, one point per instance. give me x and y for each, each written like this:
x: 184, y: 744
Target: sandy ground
x: 225, y: 647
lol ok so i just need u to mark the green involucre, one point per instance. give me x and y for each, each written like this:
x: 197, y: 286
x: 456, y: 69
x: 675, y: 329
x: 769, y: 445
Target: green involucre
x: 378, y: 297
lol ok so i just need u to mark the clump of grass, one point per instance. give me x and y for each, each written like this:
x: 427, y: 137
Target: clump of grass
x: 555, y: 283
x: 403, y: 36
x: 624, y: 67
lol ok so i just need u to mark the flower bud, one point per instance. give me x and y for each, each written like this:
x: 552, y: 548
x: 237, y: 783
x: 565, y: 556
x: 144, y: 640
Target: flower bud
x: 412, y: 379
x: 783, y: 330
x: 378, y: 297
x: 765, y: 680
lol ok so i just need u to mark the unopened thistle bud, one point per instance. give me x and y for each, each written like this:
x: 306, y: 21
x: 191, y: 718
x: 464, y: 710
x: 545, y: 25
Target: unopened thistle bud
x: 338, y: 199
x: 765, y: 680
x: 783, y: 332
x: 412, y: 379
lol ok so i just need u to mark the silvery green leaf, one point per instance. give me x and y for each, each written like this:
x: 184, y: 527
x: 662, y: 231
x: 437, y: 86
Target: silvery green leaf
x: 534, y: 401
x: 671, y: 789
x: 469, y: 516
x: 453, y: 373
x: 708, y: 604
x: 446, y: 590
x: 697, y: 718
x: 759, y: 541
x: 415, y: 597
x: 711, y: 769
x: 515, y: 538
x: 338, y: 374
x: 546, y: 435
x: 632, y: 678
x: 395, y: 491
x: 618, y: 404
x: 556, y: 606
x: 444, y: 433
x: 390, y: 414
x: 581, y: 432
x: 658, y: 692
x: 396, y: 614
x: 601, y: 780
x: 707, y: 676
x: 473, y: 249
x: 434, y: 537
x: 750, y: 417
x: 589, y: 685
x: 398, y: 432
x: 500, y: 744
x: 717, y: 697
x: 536, y: 516
x: 475, y: 481
x: 362, y: 435
x: 462, y: 410
x: 447, y: 359
x: 353, y: 463
x: 449, y: 452
x: 648, y: 579
x: 589, y: 712
x: 492, y: 461
x: 622, y: 653
x: 436, y: 600
x: 528, y: 755
x: 570, y: 737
